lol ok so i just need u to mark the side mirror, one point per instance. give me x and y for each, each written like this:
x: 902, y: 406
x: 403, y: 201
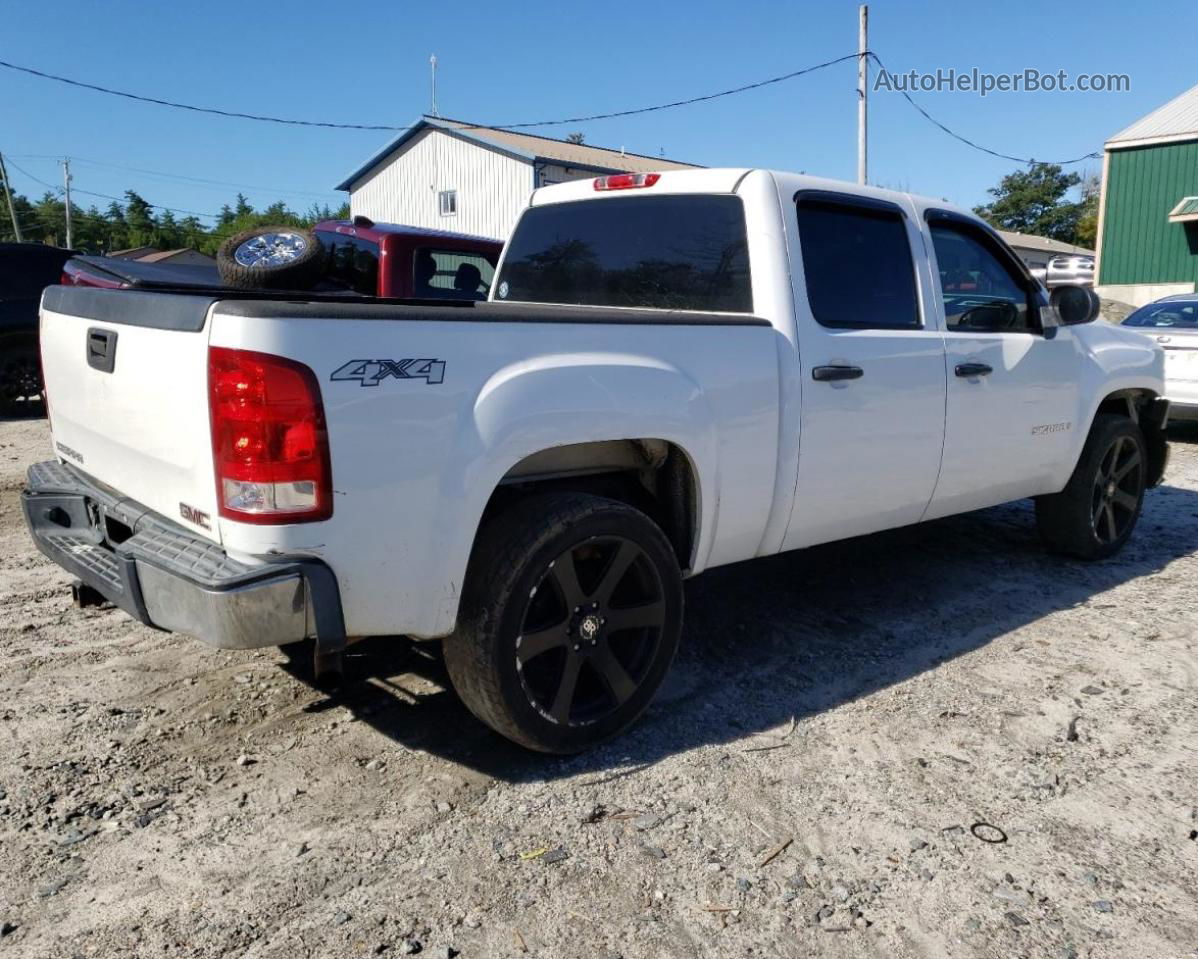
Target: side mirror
x: 1071, y: 305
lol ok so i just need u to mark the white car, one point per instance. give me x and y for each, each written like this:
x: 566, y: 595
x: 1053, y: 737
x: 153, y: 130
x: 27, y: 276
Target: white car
x: 676, y: 371
x: 1173, y: 323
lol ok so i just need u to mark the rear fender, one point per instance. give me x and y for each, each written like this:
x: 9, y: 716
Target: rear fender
x: 552, y: 401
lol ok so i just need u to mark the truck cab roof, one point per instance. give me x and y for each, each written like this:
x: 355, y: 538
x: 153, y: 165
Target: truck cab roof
x: 729, y: 180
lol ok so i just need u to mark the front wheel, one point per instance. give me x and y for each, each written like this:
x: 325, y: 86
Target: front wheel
x: 1094, y: 515
x: 570, y: 619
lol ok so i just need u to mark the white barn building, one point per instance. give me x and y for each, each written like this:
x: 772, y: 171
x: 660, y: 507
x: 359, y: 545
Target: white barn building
x: 448, y: 175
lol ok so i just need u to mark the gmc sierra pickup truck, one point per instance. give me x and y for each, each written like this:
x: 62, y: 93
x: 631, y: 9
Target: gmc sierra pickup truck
x: 674, y: 371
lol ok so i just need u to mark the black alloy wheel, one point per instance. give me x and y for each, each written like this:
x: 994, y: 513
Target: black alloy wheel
x: 1097, y: 511
x: 591, y: 630
x: 570, y: 618
x: 1118, y: 486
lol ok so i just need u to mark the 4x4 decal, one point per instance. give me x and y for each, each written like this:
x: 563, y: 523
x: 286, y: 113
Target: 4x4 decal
x: 372, y: 372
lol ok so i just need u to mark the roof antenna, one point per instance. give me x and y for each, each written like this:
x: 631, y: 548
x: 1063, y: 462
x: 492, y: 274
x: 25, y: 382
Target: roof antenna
x: 432, y: 62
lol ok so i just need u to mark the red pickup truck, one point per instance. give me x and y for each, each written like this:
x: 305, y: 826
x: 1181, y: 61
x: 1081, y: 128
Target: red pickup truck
x: 337, y: 257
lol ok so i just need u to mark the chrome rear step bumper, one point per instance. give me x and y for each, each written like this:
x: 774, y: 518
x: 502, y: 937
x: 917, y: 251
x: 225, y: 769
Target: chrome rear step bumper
x: 163, y: 576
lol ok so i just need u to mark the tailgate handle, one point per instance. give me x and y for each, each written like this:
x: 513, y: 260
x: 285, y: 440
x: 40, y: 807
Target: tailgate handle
x: 101, y: 349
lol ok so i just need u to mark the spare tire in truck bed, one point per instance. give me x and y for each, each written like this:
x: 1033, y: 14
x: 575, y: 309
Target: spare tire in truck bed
x: 271, y: 258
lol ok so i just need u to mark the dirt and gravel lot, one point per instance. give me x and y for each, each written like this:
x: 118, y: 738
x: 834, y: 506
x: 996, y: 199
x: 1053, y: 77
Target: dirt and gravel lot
x: 836, y: 723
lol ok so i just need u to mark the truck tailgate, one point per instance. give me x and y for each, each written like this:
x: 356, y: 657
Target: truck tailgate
x: 126, y: 378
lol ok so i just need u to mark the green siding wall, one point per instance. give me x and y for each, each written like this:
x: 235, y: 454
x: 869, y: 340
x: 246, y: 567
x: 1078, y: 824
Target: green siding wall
x: 1139, y: 244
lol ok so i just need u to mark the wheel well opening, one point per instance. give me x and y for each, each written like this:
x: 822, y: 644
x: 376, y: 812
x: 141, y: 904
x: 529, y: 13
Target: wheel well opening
x: 1142, y: 408
x: 1129, y: 403
x: 654, y: 476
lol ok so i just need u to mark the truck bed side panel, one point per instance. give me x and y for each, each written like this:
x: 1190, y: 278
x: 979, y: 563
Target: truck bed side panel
x: 417, y: 456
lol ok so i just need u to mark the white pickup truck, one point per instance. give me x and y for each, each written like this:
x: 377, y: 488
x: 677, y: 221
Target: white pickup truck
x: 674, y: 371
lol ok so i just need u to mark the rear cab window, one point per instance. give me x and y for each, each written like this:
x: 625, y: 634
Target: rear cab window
x: 667, y: 252
x: 351, y: 261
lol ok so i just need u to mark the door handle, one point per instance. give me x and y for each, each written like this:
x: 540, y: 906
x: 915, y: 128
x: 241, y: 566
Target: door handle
x: 827, y: 374
x: 974, y: 369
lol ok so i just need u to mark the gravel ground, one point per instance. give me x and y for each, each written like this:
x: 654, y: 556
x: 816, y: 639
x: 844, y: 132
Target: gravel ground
x: 807, y: 784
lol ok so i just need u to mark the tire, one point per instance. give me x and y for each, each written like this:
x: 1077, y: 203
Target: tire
x: 548, y: 586
x: 1096, y: 512
x: 271, y: 258
x: 20, y: 375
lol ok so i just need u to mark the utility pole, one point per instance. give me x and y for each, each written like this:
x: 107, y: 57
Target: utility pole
x: 432, y: 62
x: 12, y: 211
x: 862, y: 93
x: 66, y: 182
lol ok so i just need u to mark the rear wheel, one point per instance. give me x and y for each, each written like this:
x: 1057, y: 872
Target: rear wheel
x: 1097, y: 511
x: 570, y: 620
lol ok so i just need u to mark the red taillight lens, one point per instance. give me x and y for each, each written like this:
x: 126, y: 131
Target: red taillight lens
x: 270, y: 446
x: 626, y: 181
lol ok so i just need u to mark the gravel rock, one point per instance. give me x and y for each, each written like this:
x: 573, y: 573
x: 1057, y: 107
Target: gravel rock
x: 1015, y: 919
x: 1104, y: 905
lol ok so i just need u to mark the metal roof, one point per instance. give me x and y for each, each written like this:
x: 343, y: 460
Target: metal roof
x: 525, y: 146
x: 1176, y: 120
x: 1029, y: 241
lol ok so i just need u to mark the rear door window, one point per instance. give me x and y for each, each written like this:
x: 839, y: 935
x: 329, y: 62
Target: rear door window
x: 857, y: 265
x: 670, y: 252
x: 452, y: 274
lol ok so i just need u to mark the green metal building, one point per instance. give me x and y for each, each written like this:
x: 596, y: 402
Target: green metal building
x: 1148, y: 212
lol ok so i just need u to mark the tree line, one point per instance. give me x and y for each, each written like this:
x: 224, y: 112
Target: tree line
x: 136, y: 222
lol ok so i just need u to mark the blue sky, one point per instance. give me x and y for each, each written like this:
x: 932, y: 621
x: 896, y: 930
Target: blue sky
x: 511, y: 62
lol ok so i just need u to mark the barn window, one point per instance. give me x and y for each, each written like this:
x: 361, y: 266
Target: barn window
x: 447, y: 201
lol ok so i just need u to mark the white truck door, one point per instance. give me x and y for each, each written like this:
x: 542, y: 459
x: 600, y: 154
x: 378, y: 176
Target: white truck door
x: 872, y: 367
x: 1012, y: 386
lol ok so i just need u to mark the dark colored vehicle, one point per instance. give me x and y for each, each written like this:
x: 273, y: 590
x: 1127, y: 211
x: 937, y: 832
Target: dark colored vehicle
x: 355, y: 257
x: 25, y: 270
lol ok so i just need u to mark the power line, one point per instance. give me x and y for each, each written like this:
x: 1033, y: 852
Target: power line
x: 978, y: 146
x: 181, y: 176
x: 109, y: 196
x: 382, y: 126
x: 676, y: 103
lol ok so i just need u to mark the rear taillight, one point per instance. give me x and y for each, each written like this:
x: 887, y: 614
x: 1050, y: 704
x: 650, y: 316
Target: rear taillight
x: 626, y: 181
x: 270, y: 446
